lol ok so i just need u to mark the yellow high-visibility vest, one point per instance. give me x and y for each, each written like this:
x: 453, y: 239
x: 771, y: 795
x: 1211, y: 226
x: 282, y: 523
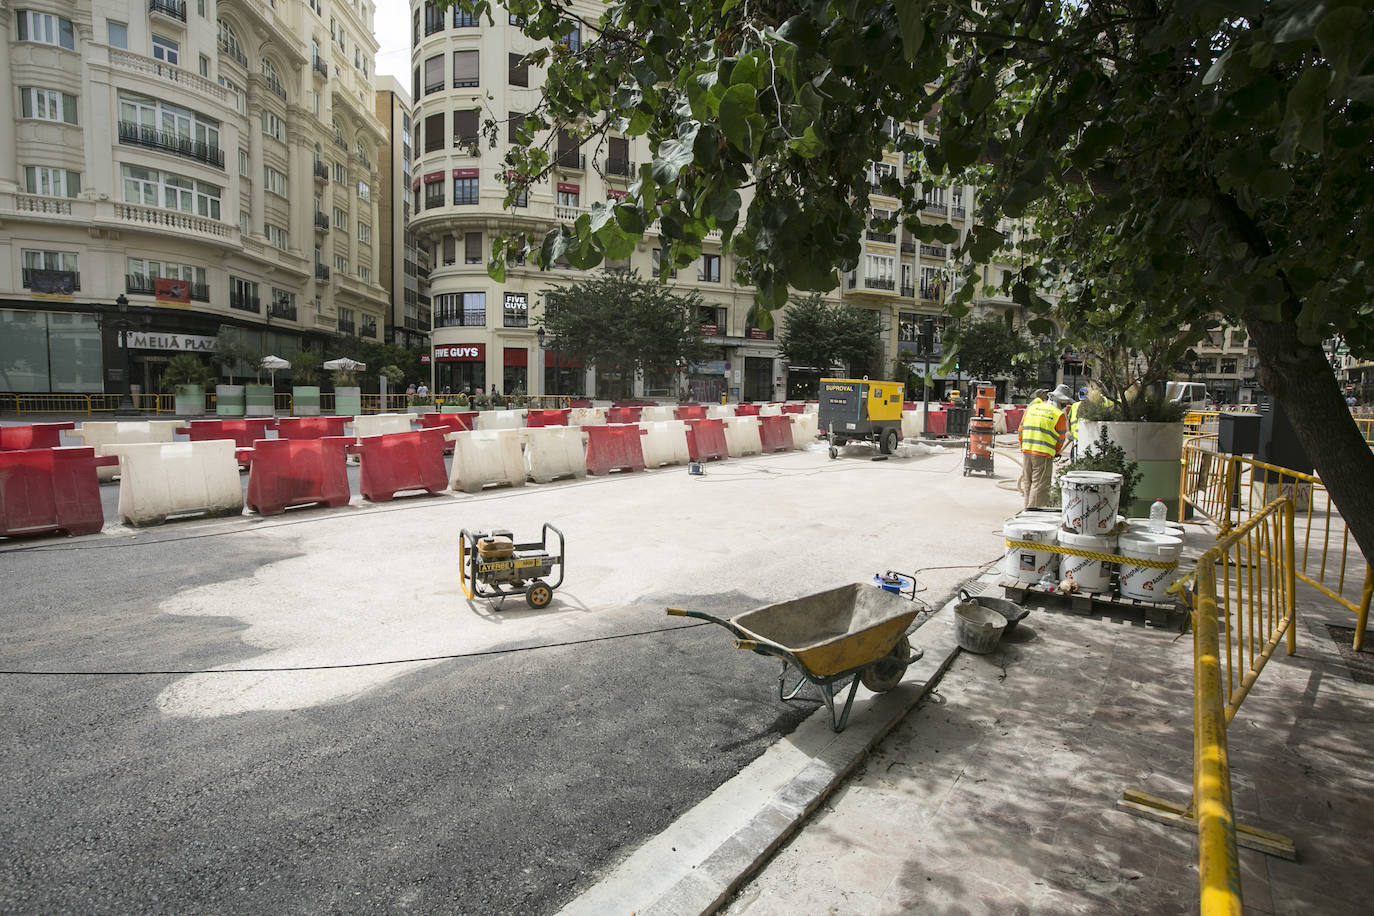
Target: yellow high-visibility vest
x: 1073, y: 420
x: 1039, y: 429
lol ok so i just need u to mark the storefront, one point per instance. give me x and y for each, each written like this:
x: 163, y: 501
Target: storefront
x: 563, y: 375
x: 515, y: 363
x: 706, y: 381
x: 42, y: 351
x: 460, y: 368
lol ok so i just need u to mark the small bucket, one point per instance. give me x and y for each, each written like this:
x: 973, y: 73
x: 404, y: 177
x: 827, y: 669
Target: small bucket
x: 1023, y: 563
x: 1089, y: 500
x: 1146, y: 582
x: 976, y: 628
x: 1091, y: 575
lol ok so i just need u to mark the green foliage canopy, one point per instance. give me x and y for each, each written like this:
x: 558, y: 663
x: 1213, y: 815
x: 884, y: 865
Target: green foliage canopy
x: 818, y: 334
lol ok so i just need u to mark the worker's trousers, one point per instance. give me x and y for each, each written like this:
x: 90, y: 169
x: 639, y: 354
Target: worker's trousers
x: 1037, y: 474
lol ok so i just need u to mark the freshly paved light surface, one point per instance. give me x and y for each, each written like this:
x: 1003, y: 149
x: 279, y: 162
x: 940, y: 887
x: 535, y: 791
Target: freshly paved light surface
x: 500, y: 783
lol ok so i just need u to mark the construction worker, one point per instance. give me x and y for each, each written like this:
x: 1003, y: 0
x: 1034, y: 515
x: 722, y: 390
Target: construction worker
x: 1073, y: 421
x: 1044, y: 431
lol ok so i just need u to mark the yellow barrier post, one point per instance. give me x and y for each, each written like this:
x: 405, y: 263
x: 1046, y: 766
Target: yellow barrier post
x: 1362, y: 615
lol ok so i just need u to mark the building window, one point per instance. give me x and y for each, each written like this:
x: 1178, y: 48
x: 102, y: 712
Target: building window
x: 516, y: 310
x: 659, y: 266
x: 434, y: 194
x: 367, y: 325
x: 519, y: 70
x: 273, y: 126
x: 340, y: 173
x: 276, y: 235
x: 283, y: 304
x: 514, y: 121
x: 434, y: 73
x: 50, y: 182
x: 364, y: 192
x: 152, y: 188
x: 166, y: 50
x: 243, y: 294
x: 879, y: 273
x: 340, y: 265
x: 468, y: 310
x: 465, y: 127
x: 472, y: 248
x: 229, y: 41
x: 274, y: 181
x: 340, y: 218
x: 142, y: 272
x: 434, y: 132
x: 117, y: 34
x: 346, y: 323
x: 572, y: 39
x: 204, y: 66
x: 465, y: 190
x: 46, y: 28
x: 710, y: 268
x: 47, y: 105
x: 568, y: 198
x: 434, y: 18
x: 466, y: 69
x: 364, y: 232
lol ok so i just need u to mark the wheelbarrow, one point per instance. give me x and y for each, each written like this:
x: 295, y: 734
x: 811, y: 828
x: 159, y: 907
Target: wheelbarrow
x: 855, y: 632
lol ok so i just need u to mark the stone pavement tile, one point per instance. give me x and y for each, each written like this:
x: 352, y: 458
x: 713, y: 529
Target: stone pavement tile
x: 1254, y: 881
x: 1306, y: 900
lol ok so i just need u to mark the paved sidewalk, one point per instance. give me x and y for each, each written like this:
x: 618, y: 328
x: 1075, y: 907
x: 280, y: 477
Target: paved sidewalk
x: 998, y: 793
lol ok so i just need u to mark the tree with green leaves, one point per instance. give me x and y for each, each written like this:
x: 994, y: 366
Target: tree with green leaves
x: 234, y: 353
x: 989, y: 349
x: 616, y: 320
x: 1182, y: 160
x: 817, y: 333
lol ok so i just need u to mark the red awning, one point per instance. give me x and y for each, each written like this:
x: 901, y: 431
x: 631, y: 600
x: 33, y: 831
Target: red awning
x: 517, y: 356
x: 465, y: 173
x: 568, y: 188
x: 431, y: 177
x: 564, y: 362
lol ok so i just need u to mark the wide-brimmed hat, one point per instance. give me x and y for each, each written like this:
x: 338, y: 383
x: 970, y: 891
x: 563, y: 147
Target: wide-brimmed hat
x: 1062, y: 395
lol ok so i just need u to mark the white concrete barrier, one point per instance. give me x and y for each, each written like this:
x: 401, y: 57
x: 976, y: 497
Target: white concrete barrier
x: 770, y: 410
x: 99, y: 435
x: 999, y: 421
x: 482, y: 457
x: 913, y: 424
x: 664, y: 442
x: 719, y: 411
x: 803, y: 429
x: 160, y: 480
x: 655, y: 414
x: 587, y: 416
x: 742, y: 436
x: 500, y: 419
x: 554, y: 451
x: 382, y: 424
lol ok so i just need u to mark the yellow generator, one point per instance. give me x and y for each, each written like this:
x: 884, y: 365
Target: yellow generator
x: 859, y: 409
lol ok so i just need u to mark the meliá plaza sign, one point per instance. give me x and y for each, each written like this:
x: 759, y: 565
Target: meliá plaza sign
x: 186, y: 343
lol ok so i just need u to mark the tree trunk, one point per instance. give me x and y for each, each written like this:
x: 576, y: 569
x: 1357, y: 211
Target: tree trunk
x: 1299, y: 375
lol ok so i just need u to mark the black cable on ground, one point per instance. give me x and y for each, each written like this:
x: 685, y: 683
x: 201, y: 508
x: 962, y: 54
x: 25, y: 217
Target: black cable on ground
x: 395, y: 661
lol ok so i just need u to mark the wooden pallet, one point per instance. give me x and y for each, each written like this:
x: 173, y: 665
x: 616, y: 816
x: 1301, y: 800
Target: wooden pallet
x: 1097, y: 604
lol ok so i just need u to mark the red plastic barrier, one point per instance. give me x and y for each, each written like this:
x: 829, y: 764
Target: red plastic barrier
x: 624, y: 414
x: 611, y: 448
x: 935, y: 426
x: 537, y: 418
x: 632, y: 402
x: 32, y: 435
x: 456, y: 422
x: 746, y: 410
x: 1014, y: 415
x: 706, y: 440
x: 243, y: 432
x: 51, y: 489
x: 690, y: 412
x: 296, y: 472
x: 794, y: 408
x: 775, y: 433
x: 401, y: 461
x: 310, y: 427
x: 579, y: 402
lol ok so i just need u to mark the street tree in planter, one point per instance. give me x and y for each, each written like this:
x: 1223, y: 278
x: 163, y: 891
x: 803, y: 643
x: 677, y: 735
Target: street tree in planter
x: 305, y: 394
x: 233, y: 352
x: 616, y: 320
x: 187, y: 377
x: 988, y: 349
x: 1209, y: 156
x: 816, y: 333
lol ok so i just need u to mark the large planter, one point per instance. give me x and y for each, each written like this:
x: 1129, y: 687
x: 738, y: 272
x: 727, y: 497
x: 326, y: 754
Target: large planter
x: 305, y: 401
x: 1158, y: 450
x: 259, y: 401
x: 190, y: 400
x: 229, y: 401
x: 348, y: 402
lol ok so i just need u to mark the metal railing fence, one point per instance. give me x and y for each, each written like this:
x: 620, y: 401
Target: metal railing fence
x: 92, y: 405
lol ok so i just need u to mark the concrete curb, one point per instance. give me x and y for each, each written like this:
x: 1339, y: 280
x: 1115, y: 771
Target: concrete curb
x: 705, y: 855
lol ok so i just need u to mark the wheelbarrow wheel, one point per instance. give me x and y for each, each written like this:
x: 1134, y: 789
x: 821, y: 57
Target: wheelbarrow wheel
x: 887, y: 672
x: 538, y: 595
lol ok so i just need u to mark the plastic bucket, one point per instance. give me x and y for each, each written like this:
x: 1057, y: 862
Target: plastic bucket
x: 1145, y: 582
x: 1090, y: 574
x: 1089, y: 500
x: 1026, y: 564
x: 976, y: 628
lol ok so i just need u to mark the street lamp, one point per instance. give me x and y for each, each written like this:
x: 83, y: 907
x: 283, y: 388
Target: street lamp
x: 123, y: 324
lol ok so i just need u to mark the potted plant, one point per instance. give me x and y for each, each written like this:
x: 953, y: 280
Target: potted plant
x: 348, y: 397
x: 305, y: 394
x: 1148, y: 430
x: 260, y: 399
x: 187, y: 377
x: 231, y: 351
x: 395, y: 377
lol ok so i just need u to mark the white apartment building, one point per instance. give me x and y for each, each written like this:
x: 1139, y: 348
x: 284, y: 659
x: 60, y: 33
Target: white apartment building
x: 404, y: 269
x: 202, y: 162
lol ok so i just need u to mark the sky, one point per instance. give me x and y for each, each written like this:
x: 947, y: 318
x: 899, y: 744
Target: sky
x: 392, y: 25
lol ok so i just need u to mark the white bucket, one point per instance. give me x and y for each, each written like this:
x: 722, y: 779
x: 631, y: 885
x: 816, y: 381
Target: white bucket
x: 1089, y: 500
x: 1172, y: 529
x: 1145, y: 582
x: 1091, y: 575
x: 1027, y: 565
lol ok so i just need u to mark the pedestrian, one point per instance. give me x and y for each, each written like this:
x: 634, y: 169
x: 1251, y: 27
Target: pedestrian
x: 1073, y: 421
x: 1044, y: 430
x: 410, y: 392
x: 423, y: 390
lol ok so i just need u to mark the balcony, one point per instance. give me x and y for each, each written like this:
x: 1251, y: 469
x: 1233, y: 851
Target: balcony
x: 283, y: 310
x: 167, y: 142
x: 571, y: 159
x: 366, y: 162
x: 59, y: 282
x: 172, y: 9
x: 909, y: 291
x: 879, y: 283
x: 931, y: 292
x: 625, y: 167
x: 275, y: 86
x: 875, y: 236
x: 320, y: 68
x: 321, y: 222
x: 321, y: 172
x: 467, y: 318
x: 933, y: 251
x: 938, y: 209
x: 141, y: 285
x: 957, y: 212
x: 908, y: 247
x: 321, y: 272
x: 244, y: 302
x: 566, y: 214
x: 235, y: 52
x: 346, y: 326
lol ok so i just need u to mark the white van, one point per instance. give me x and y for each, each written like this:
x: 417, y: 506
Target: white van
x: 1191, y: 394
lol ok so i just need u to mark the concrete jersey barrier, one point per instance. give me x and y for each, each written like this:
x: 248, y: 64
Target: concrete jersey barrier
x: 664, y: 442
x: 484, y: 457
x: 554, y: 451
x: 160, y: 480
x: 100, y: 434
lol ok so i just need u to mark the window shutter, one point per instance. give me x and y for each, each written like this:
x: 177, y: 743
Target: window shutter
x: 434, y: 74
x: 472, y: 243
x: 465, y: 68
x: 465, y: 126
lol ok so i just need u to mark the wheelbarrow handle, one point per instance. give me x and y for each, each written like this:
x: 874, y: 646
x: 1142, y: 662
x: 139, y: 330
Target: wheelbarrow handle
x: 699, y: 615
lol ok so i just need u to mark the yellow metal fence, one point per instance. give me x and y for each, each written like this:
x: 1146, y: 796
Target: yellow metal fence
x: 1229, y: 489
x: 91, y: 405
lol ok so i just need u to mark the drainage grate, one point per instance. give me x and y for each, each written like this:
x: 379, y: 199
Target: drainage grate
x: 1361, y: 664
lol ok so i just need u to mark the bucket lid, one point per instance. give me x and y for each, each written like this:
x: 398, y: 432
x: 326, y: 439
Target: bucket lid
x: 1030, y: 530
x: 1092, y: 477
x: 1097, y: 542
x: 1148, y: 544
